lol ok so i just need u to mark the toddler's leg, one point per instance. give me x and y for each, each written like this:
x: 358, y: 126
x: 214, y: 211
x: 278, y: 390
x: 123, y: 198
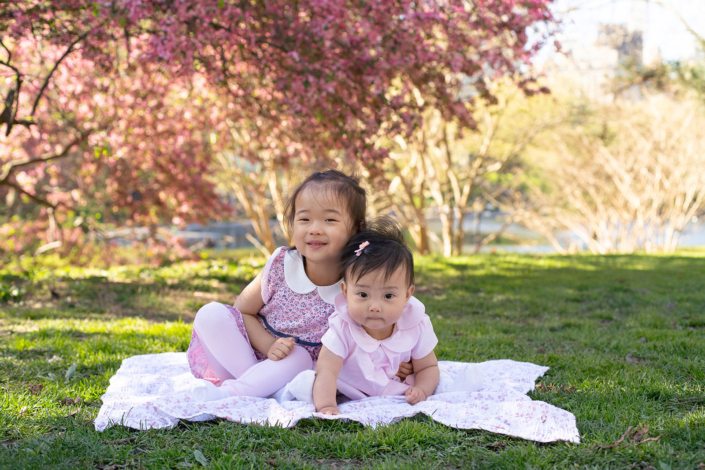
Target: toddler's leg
x: 228, y: 353
x: 469, y: 379
x: 266, y: 377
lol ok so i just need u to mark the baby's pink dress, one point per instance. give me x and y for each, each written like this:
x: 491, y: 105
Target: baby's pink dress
x: 370, y: 365
x: 293, y: 307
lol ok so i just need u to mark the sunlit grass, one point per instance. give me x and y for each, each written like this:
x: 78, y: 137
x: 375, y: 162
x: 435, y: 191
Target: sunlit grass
x: 582, y: 315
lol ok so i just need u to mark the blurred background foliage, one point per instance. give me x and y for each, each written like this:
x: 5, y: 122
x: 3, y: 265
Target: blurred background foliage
x: 519, y: 153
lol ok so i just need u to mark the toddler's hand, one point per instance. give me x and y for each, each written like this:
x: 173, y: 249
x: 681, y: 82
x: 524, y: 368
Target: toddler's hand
x: 329, y: 410
x: 405, y: 369
x: 414, y: 395
x: 281, y: 348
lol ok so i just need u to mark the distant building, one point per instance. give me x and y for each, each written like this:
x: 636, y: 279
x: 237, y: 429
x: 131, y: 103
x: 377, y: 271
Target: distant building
x: 628, y: 44
x: 593, y: 67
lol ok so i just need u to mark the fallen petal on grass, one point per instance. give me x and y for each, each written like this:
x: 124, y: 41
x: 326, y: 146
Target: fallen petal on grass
x: 632, y: 359
x: 70, y: 372
x: 200, y: 458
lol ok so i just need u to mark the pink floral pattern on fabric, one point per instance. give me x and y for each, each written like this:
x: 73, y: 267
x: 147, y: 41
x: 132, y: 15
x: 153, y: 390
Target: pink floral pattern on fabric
x: 304, y: 316
x: 153, y: 391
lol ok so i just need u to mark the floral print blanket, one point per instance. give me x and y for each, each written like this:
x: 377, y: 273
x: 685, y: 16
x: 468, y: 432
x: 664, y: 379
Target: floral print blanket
x: 153, y: 391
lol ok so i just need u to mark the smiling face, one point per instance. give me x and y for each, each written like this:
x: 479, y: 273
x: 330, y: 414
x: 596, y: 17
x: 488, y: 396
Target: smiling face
x: 377, y: 303
x: 322, y: 226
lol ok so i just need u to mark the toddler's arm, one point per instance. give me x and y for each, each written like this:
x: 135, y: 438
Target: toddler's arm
x: 326, y: 384
x: 426, y: 380
x: 249, y: 303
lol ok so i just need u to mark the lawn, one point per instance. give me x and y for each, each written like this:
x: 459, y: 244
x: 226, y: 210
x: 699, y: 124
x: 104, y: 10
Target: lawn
x: 623, y: 335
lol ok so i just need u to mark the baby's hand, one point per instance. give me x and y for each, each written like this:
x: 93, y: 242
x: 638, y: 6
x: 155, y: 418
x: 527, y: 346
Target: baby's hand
x: 281, y: 348
x: 329, y: 410
x: 405, y: 369
x: 414, y: 395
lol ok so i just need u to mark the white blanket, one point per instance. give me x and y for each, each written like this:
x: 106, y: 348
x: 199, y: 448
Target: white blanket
x: 153, y: 391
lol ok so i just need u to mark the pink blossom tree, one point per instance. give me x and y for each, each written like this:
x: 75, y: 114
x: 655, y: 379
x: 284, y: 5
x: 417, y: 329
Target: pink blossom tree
x: 121, y: 105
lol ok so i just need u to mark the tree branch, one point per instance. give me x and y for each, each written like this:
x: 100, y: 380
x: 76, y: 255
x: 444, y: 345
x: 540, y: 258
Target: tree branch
x: 36, y: 199
x: 9, y: 54
x: 9, y: 167
x: 56, y: 65
x: 698, y: 37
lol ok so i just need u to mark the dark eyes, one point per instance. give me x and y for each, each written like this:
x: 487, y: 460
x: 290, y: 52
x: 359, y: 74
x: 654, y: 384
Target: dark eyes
x: 363, y: 295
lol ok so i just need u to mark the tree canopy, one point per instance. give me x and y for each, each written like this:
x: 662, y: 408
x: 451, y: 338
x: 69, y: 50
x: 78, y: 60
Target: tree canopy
x: 119, y: 106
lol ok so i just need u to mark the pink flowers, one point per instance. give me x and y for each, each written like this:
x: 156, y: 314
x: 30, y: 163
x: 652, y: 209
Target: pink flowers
x: 135, y: 89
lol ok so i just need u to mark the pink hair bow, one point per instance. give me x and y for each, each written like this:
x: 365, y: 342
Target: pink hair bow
x: 363, y: 245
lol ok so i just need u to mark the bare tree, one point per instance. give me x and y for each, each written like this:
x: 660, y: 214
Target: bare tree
x: 456, y: 171
x: 259, y: 184
x: 632, y: 185
x: 406, y: 192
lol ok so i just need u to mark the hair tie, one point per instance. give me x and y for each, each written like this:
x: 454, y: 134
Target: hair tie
x: 363, y: 245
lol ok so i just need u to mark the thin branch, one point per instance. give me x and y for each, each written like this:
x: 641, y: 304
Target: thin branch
x: 9, y: 167
x: 28, y: 194
x: 11, y: 118
x: 651, y: 439
x: 9, y: 54
x: 56, y: 65
x: 491, y: 237
x: 8, y: 64
x: 258, y: 245
x: 682, y: 20
x: 621, y: 439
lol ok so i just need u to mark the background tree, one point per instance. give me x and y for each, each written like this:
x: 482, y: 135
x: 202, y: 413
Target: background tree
x: 113, y: 144
x: 629, y: 177
x: 114, y: 90
x: 455, y: 171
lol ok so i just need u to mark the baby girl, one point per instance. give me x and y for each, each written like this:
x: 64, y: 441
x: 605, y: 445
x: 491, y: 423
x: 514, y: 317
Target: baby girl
x: 376, y: 326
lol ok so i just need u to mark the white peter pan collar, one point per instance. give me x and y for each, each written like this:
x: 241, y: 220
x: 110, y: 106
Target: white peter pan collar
x: 298, y: 281
x: 404, y: 336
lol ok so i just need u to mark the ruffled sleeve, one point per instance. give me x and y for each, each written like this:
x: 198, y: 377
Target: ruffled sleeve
x: 427, y: 340
x: 335, y: 338
x: 267, y: 286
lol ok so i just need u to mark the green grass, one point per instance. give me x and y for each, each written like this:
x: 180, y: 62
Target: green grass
x: 580, y: 315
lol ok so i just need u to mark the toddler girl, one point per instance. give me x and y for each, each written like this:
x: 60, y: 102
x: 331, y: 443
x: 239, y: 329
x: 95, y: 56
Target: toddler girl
x: 274, y: 330
x: 377, y: 325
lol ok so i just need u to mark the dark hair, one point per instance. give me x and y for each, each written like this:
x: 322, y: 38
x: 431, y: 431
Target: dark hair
x: 386, y: 250
x: 345, y: 187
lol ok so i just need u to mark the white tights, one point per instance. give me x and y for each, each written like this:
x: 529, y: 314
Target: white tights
x: 232, y: 359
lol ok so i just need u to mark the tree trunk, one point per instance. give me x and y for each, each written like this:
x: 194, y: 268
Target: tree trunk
x: 424, y: 244
x: 253, y: 201
x: 275, y: 191
x: 460, y: 231
x: 447, y: 230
